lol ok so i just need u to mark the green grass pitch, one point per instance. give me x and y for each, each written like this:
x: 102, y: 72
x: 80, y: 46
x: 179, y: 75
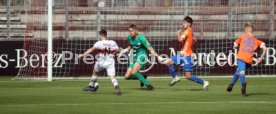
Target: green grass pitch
x: 67, y: 97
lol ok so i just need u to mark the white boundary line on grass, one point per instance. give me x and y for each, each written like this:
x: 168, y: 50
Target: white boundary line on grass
x: 145, y: 103
x: 121, y: 77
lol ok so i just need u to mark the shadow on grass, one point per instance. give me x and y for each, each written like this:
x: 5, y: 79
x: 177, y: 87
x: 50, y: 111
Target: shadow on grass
x: 255, y: 94
x: 199, y: 89
x: 104, y: 93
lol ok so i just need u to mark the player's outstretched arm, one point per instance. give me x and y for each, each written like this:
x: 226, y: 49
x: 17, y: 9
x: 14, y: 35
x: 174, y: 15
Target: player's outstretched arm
x: 263, y: 47
x: 122, y: 51
x: 153, y: 52
x: 87, y: 52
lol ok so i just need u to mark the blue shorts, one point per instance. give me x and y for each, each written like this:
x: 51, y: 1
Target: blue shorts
x: 242, y: 66
x: 185, y: 60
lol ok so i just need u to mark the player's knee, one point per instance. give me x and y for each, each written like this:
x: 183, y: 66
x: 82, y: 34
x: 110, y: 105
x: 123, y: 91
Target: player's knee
x: 112, y: 77
x: 242, y: 72
x: 168, y: 62
x: 127, y: 77
x: 133, y: 72
x: 187, y: 77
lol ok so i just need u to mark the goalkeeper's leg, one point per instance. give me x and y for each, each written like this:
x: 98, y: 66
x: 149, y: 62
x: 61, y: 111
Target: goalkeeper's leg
x: 134, y: 72
x: 129, y: 76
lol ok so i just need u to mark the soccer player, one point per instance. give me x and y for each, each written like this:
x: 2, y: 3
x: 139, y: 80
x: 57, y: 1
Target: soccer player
x: 140, y: 46
x: 185, y: 37
x: 106, y: 49
x: 248, y: 44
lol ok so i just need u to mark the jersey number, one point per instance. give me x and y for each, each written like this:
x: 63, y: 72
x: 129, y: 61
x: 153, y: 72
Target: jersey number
x: 107, y: 51
x: 248, y: 45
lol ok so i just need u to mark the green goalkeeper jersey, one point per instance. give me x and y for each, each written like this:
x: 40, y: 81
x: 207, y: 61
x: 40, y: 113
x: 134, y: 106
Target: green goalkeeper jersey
x: 140, y: 45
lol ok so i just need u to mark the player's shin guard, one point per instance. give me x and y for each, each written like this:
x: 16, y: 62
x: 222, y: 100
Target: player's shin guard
x: 93, y: 80
x: 141, y: 78
x: 197, y: 80
x: 235, y: 78
x: 172, y: 71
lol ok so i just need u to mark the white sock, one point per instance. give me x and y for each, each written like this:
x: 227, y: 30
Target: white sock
x: 93, y: 80
x: 114, y: 82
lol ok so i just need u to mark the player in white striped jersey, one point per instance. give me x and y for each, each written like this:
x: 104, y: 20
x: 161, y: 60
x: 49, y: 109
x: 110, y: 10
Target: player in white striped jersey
x: 105, y: 61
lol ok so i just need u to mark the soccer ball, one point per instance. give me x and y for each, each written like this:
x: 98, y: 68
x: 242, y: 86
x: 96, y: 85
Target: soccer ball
x: 96, y: 86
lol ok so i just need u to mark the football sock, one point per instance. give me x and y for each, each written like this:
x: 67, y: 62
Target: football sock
x: 197, y: 80
x: 114, y: 82
x: 172, y: 71
x: 242, y: 79
x: 132, y: 78
x: 235, y: 78
x: 93, y: 80
x: 141, y: 78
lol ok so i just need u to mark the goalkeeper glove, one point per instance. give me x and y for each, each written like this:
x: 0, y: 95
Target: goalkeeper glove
x: 122, y: 52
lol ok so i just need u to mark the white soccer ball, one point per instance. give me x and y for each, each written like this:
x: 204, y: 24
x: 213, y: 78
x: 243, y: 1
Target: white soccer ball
x: 96, y: 85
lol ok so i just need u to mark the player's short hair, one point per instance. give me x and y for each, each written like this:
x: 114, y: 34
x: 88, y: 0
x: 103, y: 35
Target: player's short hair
x: 133, y: 26
x: 189, y: 20
x: 103, y: 32
x: 248, y: 25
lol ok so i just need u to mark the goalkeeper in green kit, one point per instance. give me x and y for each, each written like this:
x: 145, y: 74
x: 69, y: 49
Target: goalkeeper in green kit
x: 140, y: 46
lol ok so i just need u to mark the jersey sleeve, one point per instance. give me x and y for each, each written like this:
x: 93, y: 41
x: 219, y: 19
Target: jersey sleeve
x: 115, y: 46
x: 97, y: 45
x: 145, y: 42
x: 186, y: 33
x: 238, y: 41
x: 260, y: 43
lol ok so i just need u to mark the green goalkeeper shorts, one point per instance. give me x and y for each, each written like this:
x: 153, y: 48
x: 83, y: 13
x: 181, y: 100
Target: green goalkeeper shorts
x: 141, y: 59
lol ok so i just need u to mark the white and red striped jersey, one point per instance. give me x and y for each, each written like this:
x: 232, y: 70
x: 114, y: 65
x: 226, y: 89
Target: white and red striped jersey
x: 106, y: 49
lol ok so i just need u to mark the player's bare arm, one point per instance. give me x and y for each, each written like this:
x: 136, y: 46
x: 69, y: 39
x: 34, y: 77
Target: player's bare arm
x: 153, y: 52
x: 179, y: 36
x: 263, y: 47
x: 87, y: 52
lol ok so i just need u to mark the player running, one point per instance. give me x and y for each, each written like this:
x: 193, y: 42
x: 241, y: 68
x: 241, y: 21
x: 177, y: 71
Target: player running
x: 248, y: 44
x: 140, y: 45
x: 185, y: 37
x: 105, y: 61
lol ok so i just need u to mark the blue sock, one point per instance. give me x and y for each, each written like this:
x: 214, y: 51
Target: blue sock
x: 235, y: 78
x: 197, y: 80
x: 172, y: 71
x: 242, y: 79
